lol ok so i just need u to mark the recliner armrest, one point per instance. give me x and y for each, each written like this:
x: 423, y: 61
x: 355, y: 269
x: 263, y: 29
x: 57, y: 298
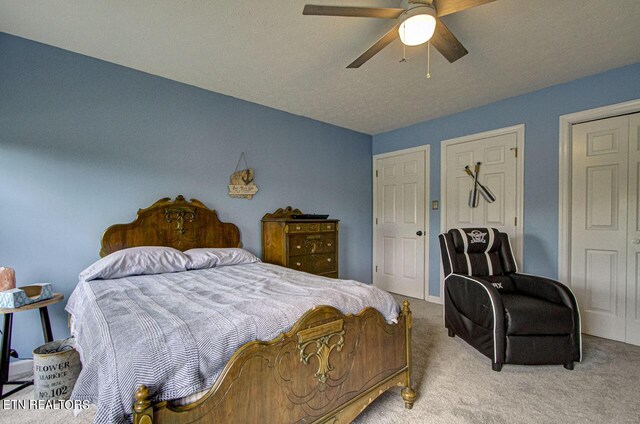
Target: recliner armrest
x: 544, y: 288
x: 477, y: 299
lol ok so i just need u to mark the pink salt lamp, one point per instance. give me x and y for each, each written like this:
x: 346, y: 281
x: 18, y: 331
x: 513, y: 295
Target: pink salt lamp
x: 7, y: 278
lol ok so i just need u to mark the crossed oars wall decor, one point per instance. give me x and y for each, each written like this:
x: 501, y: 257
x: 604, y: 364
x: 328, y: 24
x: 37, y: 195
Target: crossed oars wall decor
x: 485, y: 192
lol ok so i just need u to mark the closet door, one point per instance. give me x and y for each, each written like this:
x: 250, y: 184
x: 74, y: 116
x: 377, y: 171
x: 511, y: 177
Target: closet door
x: 498, y: 172
x: 599, y: 207
x: 633, y: 255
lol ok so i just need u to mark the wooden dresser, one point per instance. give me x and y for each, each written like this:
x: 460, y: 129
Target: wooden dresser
x: 309, y: 245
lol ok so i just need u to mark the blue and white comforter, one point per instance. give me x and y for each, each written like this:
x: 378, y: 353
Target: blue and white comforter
x: 175, y: 332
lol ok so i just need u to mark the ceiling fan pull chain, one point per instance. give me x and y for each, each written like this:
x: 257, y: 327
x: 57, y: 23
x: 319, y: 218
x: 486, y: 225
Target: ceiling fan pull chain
x: 404, y: 53
x: 428, y: 59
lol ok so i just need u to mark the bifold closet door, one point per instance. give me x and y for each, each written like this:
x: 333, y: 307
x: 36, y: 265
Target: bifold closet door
x: 605, y: 230
x: 633, y: 247
x: 599, y: 210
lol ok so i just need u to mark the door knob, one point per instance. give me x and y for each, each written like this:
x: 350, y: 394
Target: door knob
x: 635, y: 241
x: 419, y: 233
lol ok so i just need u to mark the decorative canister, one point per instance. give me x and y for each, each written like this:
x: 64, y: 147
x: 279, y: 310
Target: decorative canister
x: 7, y: 279
x: 56, y: 366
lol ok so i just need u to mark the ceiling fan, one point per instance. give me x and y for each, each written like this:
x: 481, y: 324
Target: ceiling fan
x: 416, y: 23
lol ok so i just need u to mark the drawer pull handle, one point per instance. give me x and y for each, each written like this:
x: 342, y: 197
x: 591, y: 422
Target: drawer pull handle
x: 298, y: 263
x: 298, y: 247
x: 329, y: 244
x: 328, y: 227
x: 328, y: 259
x: 298, y: 227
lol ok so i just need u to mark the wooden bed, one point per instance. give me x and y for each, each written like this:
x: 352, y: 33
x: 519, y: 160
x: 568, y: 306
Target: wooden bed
x: 328, y: 368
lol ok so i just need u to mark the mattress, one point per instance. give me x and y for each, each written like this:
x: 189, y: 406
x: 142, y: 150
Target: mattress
x: 175, y: 332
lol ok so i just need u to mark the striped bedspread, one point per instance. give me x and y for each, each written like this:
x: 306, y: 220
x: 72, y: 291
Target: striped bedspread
x: 175, y: 332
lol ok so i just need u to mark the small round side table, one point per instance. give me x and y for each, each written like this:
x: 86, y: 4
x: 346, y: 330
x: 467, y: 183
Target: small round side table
x: 6, y: 339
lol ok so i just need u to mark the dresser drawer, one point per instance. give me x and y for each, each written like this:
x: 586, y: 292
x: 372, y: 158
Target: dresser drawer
x: 305, y: 244
x: 311, y: 227
x: 298, y: 228
x: 314, y: 264
x: 301, y: 263
x: 324, y: 263
x: 327, y: 226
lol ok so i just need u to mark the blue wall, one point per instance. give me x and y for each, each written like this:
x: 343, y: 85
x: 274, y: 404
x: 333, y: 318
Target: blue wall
x: 85, y: 143
x: 540, y: 112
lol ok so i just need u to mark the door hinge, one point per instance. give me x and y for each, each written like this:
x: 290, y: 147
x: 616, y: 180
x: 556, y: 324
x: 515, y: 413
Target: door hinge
x: 376, y: 268
x: 376, y: 172
x: 515, y: 220
x: 376, y: 221
x: 515, y: 151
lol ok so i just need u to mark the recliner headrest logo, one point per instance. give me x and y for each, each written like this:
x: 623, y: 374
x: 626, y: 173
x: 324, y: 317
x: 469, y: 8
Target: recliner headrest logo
x: 477, y: 236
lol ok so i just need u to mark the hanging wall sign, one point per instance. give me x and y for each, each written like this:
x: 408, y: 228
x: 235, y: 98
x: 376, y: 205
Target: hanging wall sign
x: 241, y: 183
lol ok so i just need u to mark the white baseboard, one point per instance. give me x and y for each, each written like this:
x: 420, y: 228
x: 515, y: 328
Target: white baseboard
x: 22, y: 366
x: 434, y: 299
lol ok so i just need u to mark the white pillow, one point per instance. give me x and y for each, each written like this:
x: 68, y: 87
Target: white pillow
x: 136, y: 261
x: 208, y: 257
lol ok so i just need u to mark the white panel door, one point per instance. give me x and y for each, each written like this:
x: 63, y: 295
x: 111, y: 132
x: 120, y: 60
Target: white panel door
x: 400, y: 215
x: 599, y: 224
x: 498, y: 172
x: 633, y: 246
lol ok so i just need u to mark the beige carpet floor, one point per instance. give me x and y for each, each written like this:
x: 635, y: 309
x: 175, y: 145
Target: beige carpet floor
x: 455, y: 384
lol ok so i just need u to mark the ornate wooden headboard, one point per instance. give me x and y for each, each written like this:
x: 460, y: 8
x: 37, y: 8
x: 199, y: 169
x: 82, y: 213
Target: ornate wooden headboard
x: 179, y: 223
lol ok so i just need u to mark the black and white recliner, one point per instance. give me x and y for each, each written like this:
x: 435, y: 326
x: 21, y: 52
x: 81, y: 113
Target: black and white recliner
x: 510, y: 317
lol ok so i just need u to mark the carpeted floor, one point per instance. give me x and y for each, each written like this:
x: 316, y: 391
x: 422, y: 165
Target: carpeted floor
x: 455, y: 384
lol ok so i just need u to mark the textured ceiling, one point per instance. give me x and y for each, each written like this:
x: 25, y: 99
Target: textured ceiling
x: 268, y: 53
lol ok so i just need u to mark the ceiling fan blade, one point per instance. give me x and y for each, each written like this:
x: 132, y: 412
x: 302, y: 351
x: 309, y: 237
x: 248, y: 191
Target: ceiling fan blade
x: 353, y: 12
x: 447, y: 43
x: 391, y: 35
x: 447, y: 7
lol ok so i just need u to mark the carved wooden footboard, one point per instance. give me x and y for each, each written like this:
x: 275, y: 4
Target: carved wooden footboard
x: 327, y: 368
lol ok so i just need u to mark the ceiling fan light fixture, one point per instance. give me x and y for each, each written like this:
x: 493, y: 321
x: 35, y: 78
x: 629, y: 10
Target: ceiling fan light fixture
x: 417, y: 25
